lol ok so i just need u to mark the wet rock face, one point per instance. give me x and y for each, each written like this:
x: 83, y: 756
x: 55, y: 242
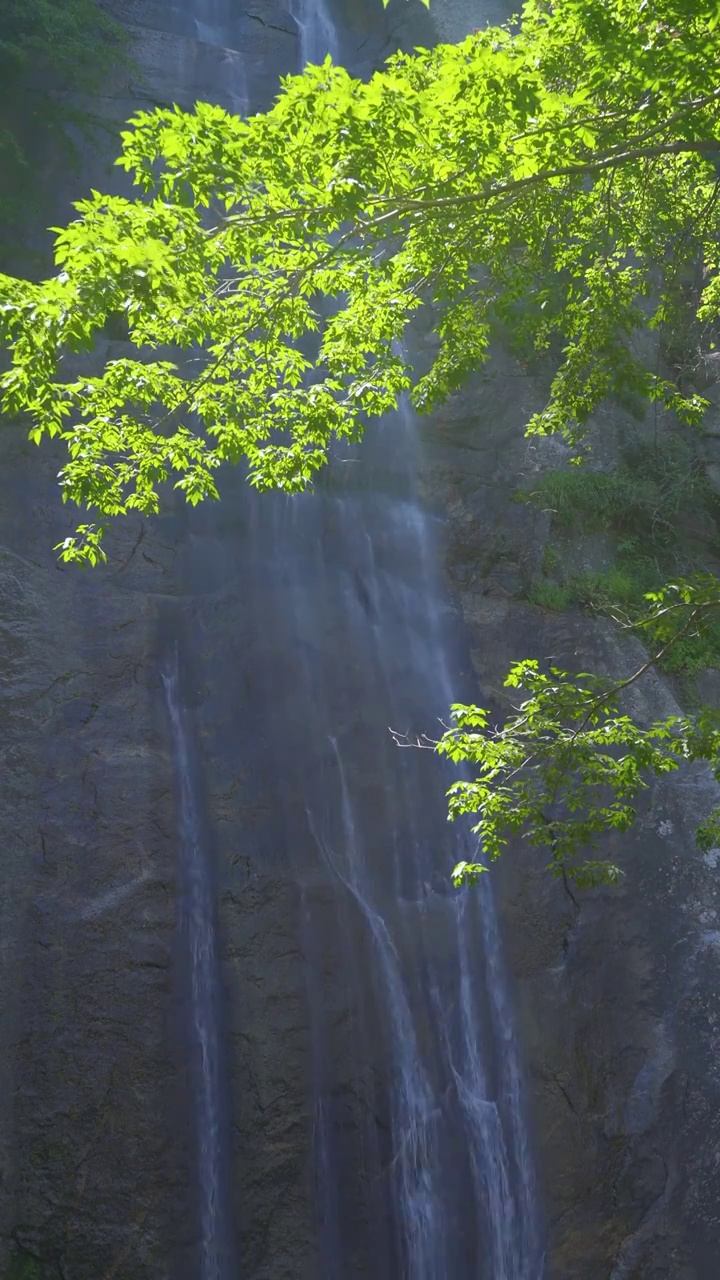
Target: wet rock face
x: 92, y: 1159
x: 616, y: 992
x: 95, y: 1155
x: 616, y: 999
x: 96, y: 1148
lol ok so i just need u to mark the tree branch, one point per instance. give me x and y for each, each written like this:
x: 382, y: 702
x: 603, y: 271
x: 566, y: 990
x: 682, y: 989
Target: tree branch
x: 645, y: 666
x: 407, y: 204
x: 597, y: 165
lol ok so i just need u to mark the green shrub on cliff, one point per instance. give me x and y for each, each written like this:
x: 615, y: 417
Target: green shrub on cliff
x: 643, y: 498
x: 47, y: 49
x: 556, y: 178
x: 658, y: 513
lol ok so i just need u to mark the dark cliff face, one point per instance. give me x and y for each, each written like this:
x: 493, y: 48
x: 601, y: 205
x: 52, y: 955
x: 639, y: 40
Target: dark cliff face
x: 616, y: 993
x: 296, y: 770
x: 357, y: 1074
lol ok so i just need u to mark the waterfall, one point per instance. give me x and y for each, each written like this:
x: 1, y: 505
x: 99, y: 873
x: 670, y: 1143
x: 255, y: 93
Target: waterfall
x: 426, y: 1173
x: 318, y: 33
x: 482, y: 1078
x: 216, y: 24
x: 197, y: 913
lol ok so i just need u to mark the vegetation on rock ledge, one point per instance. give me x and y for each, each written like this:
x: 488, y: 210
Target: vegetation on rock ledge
x: 656, y: 513
x: 48, y: 48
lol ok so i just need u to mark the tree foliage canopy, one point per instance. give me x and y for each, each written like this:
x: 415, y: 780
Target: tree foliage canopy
x: 556, y: 177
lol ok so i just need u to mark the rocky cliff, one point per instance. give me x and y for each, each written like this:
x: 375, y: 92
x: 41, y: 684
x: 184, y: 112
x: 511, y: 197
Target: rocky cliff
x: 615, y: 993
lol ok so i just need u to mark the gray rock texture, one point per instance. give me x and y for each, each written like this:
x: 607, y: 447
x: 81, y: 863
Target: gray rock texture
x: 616, y: 994
x: 617, y: 990
x: 96, y: 1159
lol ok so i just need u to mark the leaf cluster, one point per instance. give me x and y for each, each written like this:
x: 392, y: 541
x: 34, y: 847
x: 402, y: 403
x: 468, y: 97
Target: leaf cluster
x: 556, y: 176
x: 565, y: 768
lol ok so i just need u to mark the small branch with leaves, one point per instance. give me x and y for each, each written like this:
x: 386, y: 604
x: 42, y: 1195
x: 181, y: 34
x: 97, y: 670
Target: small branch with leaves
x: 568, y: 764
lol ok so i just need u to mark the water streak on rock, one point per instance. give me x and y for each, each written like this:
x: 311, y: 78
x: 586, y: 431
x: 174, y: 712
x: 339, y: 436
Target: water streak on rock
x: 197, y: 917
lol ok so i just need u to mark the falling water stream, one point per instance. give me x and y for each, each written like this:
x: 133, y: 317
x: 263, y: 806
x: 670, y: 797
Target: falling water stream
x: 198, y: 930
x: 317, y: 32
x: 347, y: 579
